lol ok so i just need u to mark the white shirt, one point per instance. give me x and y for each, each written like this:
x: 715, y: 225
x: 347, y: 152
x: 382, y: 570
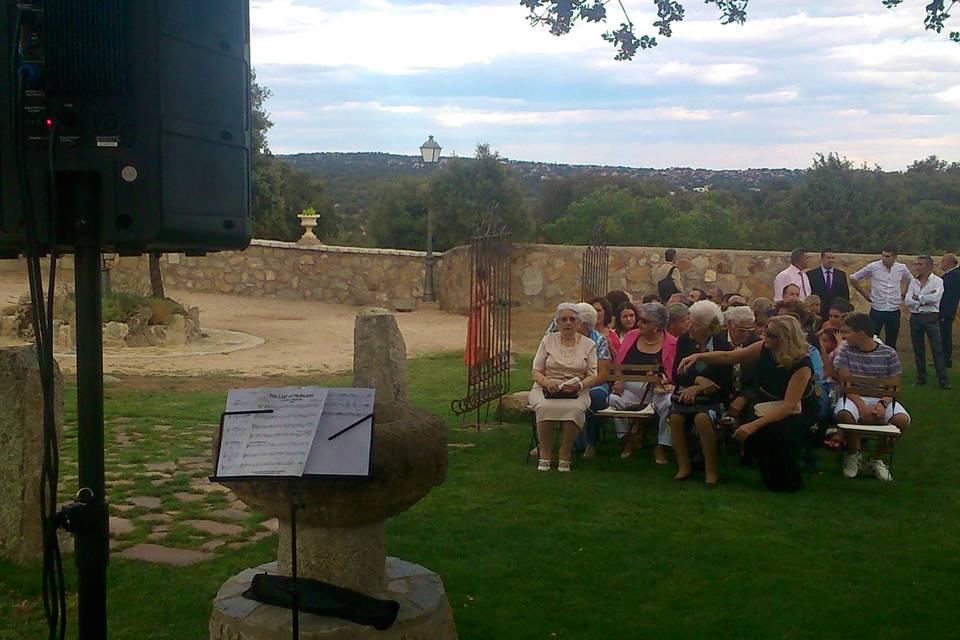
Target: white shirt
x: 927, y: 296
x: 884, y: 284
x: 791, y: 275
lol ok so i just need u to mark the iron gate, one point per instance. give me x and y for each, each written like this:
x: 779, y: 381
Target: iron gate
x: 487, y: 352
x: 594, y: 275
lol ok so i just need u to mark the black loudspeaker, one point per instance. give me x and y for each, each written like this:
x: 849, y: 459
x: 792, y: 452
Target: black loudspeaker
x: 138, y: 108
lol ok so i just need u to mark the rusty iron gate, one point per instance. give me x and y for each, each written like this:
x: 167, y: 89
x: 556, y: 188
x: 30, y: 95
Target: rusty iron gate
x: 595, y: 273
x: 487, y: 352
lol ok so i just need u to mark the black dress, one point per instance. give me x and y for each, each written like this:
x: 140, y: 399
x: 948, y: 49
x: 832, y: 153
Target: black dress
x: 775, y: 446
x: 722, y: 376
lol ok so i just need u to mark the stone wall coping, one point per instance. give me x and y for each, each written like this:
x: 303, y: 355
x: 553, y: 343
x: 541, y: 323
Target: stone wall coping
x: 277, y: 244
x: 813, y: 254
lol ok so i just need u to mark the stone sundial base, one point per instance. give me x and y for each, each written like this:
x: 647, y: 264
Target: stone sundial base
x: 425, y: 613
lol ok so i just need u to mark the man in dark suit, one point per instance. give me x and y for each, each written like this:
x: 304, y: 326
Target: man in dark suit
x: 828, y: 282
x: 949, y: 303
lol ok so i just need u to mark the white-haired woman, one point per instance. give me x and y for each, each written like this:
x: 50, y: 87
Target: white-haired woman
x: 564, y: 370
x: 648, y: 344
x: 599, y: 392
x: 785, y: 377
x: 700, y: 390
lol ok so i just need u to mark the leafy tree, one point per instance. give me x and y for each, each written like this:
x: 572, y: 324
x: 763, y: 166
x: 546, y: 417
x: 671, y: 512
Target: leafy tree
x: 560, y: 16
x: 277, y: 190
x: 470, y: 197
x: 398, y: 219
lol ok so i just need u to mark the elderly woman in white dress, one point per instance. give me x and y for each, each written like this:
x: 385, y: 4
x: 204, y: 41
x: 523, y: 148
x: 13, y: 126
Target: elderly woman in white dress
x: 564, y: 370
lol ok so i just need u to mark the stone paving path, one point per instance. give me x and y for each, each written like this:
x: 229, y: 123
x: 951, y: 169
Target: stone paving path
x: 162, y: 506
x: 185, y: 527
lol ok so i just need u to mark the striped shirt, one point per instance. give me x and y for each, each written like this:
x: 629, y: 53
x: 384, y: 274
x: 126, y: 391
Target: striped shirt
x: 882, y: 362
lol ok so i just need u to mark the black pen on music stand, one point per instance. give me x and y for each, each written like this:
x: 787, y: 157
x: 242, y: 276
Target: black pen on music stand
x: 349, y: 426
x: 247, y: 413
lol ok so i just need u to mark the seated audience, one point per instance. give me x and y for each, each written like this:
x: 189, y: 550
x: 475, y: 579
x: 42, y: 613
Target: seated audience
x: 762, y: 310
x: 741, y: 332
x: 679, y: 322
x: 624, y: 321
x: 564, y: 370
x: 716, y: 296
x: 861, y: 355
x: 599, y: 391
x: 700, y: 390
x: 678, y: 298
x: 650, y: 297
x: 648, y: 344
x: 790, y: 292
x: 828, y: 337
x: 798, y: 310
x: 785, y: 376
x: 813, y: 307
x: 604, y: 319
x: 697, y: 294
x: 736, y: 300
x: 616, y: 298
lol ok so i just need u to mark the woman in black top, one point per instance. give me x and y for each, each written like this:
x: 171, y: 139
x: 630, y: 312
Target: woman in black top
x: 702, y: 385
x: 785, y: 376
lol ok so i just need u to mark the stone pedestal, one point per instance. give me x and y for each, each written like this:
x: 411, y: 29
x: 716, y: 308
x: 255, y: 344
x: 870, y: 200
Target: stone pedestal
x: 21, y: 451
x: 380, y: 354
x: 340, y: 529
x: 350, y: 557
x: 424, y: 611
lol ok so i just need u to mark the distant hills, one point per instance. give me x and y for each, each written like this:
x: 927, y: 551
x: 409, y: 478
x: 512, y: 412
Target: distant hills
x: 351, y: 177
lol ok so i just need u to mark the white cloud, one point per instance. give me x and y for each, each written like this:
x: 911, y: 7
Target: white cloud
x: 385, y: 37
x: 710, y: 74
x: 354, y: 105
x: 455, y: 117
x: 849, y: 76
x: 774, y: 97
x: 950, y: 96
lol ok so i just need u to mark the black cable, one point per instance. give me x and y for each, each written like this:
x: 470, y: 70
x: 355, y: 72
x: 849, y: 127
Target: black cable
x: 54, y: 594
x: 50, y: 424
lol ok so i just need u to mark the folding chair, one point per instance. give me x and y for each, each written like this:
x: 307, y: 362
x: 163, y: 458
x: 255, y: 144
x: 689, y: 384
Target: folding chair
x: 871, y: 388
x: 648, y: 373
x: 535, y: 438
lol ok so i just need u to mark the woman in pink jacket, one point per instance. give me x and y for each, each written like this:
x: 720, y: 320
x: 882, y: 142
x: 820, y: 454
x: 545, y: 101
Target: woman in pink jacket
x: 650, y: 344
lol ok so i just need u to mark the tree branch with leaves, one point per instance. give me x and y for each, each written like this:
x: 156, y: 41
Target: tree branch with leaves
x: 560, y: 16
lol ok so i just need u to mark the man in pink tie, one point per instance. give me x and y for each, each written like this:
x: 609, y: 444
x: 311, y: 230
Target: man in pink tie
x: 793, y: 274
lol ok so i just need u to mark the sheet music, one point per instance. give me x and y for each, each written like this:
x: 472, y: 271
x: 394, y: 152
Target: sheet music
x: 275, y: 443
x: 349, y: 453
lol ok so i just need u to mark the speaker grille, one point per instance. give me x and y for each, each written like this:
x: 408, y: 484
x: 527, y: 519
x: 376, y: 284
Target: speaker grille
x: 85, y: 47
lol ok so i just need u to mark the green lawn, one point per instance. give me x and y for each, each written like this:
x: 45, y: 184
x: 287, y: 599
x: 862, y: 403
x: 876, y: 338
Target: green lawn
x: 618, y: 551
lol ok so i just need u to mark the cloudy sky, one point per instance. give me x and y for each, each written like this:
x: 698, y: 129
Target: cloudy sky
x: 800, y: 77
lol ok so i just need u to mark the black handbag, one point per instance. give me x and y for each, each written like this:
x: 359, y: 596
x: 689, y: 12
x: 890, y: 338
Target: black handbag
x: 700, y: 404
x: 560, y: 395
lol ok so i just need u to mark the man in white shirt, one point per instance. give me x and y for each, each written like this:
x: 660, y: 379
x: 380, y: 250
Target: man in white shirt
x: 923, y: 301
x: 793, y: 274
x: 887, y: 280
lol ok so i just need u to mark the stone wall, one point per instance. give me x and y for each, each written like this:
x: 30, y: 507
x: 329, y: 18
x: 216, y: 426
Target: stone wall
x: 545, y: 275
x: 542, y: 275
x: 347, y: 275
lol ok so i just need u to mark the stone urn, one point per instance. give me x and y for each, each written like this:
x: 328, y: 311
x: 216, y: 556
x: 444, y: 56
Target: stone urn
x: 309, y: 222
x: 340, y: 536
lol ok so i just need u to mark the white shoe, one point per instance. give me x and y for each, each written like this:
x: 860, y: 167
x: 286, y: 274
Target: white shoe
x: 563, y: 466
x: 851, y: 465
x: 881, y: 471
x: 543, y: 465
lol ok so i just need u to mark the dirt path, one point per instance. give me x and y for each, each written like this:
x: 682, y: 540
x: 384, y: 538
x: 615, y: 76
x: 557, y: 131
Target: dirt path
x: 300, y: 337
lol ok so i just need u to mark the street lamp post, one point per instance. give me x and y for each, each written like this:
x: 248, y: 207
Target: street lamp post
x: 430, y: 152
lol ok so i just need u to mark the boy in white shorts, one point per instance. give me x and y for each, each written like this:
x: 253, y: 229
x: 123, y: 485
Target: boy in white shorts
x: 860, y: 355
